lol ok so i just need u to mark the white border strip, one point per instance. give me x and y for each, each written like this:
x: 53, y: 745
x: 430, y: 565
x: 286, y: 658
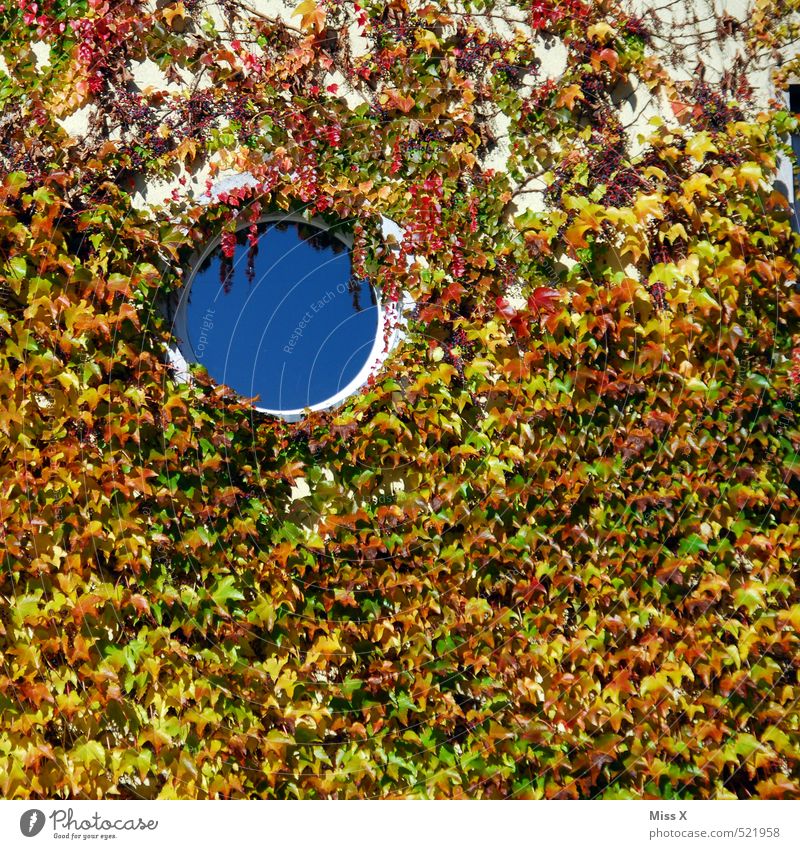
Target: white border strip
x: 398, y: 823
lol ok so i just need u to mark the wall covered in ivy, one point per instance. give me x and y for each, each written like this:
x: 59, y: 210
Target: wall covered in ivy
x: 548, y: 551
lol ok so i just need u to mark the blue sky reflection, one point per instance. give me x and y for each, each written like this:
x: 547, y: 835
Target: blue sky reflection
x: 282, y: 320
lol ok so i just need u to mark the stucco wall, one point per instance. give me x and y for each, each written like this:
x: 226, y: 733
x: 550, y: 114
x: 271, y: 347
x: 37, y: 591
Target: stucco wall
x: 686, y: 36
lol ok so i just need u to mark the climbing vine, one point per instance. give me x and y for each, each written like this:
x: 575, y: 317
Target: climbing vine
x: 549, y: 551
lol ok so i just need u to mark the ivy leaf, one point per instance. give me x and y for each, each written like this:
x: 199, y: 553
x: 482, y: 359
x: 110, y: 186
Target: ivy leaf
x: 175, y: 16
x: 311, y: 14
x: 426, y: 40
x: 567, y: 96
x: 544, y: 299
x: 225, y: 591
x: 393, y: 99
x: 699, y: 145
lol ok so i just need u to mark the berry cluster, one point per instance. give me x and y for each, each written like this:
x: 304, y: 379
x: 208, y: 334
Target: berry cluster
x: 637, y: 27
x: 199, y: 112
x: 606, y: 166
x: 394, y: 27
x: 474, y: 54
x: 235, y: 107
x: 458, y: 352
x: 381, y: 114
x: 458, y: 339
x: 621, y: 190
x: 158, y: 146
x: 473, y: 50
x: 192, y: 118
x: 593, y: 88
x: 658, y: 295
x: 727, y: 158
x: 712, y: 111
x: 131, y: 110
x: 512, y: 72
x: 653, y: 159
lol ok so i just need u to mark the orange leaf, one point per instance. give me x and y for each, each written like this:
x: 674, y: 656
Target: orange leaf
x: 453, y: 292
x: 395, y: 100
x: 680, y: 109
x: 186, y: 150
x: 311, y: 16
x: 610, y: 57
x: 574, y: 236
x: 567, y: 96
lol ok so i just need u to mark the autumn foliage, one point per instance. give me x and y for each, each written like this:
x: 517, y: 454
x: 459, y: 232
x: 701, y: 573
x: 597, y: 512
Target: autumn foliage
x: 549, y: 552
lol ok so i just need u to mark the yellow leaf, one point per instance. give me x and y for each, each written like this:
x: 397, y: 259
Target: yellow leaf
x: 574, y: 236
x: 621, y: 216
x: 186, y: 150
x: 306, y: 7
x: 601, y: 31
x: 749, y: 173
x: 690, y: 267
x: 173, y: 12
x: 648, y: 205
x: 698, y: 146
x: 697, y: 184
x: 426, y: 40
x: 676, y: 231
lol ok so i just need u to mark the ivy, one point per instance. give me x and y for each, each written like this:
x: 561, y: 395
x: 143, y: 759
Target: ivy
x: 549, y: 551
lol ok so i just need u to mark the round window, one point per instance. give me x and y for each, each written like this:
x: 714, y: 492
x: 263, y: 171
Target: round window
x: 277, y: 315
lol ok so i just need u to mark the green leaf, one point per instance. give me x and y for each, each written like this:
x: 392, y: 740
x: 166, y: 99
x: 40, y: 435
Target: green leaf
x: 226, y: 590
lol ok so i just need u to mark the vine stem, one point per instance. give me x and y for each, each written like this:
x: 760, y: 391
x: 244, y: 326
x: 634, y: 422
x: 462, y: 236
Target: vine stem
x: 247, y: 7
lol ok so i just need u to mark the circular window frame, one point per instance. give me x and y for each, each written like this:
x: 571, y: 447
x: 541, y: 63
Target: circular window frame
x: 391, y: 324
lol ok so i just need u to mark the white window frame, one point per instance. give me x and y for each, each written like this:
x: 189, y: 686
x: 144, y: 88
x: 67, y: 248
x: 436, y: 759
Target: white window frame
x: 392, y: 316
x: 785, y: 178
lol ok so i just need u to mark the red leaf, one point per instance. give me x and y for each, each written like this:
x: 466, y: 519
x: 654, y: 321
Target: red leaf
x: 544, y: 298
x: 453, y: 292
x: 504, y: 308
